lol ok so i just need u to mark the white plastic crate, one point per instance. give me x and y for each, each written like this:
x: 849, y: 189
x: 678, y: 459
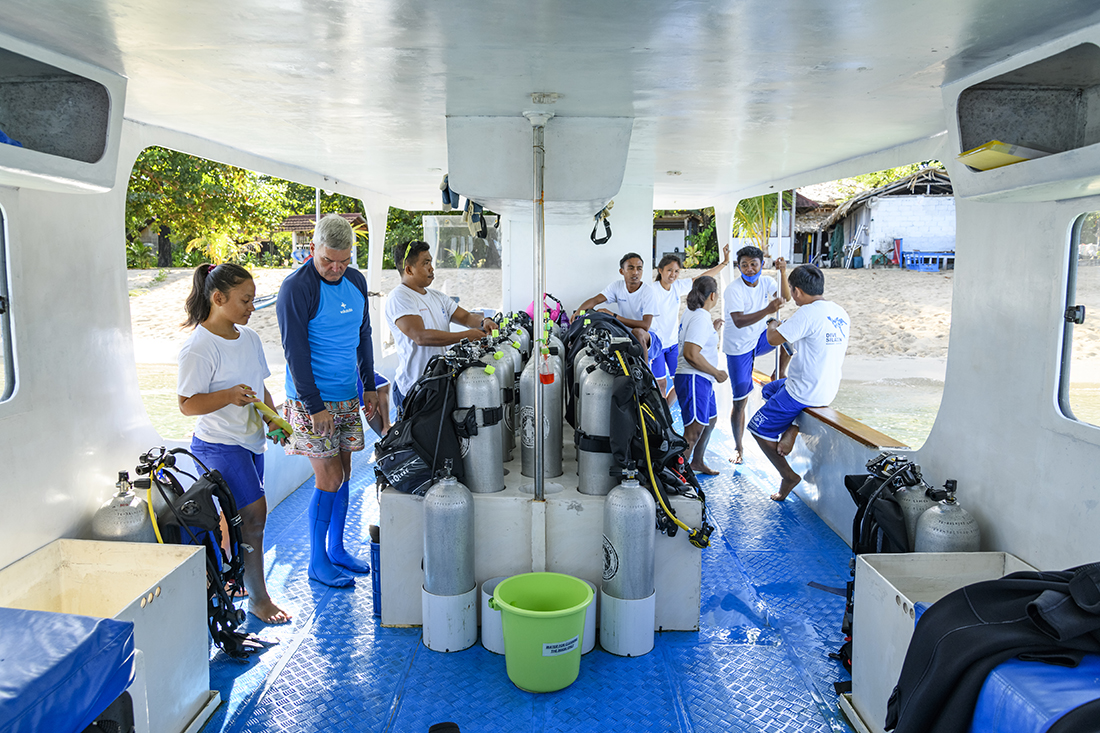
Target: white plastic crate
x: 887, y: 586
x: 160, y: 588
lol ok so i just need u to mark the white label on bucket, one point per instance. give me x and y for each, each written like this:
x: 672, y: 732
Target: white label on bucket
x: 561, y: 647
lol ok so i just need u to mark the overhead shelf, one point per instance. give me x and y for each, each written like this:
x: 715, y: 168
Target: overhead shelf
x: 60, y: 119
x: 1030, y: 132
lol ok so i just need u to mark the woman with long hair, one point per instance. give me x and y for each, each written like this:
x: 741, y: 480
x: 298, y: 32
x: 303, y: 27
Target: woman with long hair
x: 221, y: 373
x: 697, y: 373
x: 667, y: 290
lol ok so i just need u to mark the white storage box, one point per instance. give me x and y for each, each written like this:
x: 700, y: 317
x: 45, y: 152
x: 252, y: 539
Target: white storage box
x: 887, y: 586
x: 160, y: 588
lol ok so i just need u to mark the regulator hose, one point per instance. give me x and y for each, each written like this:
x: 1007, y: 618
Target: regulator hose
x: 649, y: 464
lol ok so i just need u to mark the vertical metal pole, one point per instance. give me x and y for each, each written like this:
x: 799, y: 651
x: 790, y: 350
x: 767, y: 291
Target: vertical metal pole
x: 317, y: 210
x: 540, y: 289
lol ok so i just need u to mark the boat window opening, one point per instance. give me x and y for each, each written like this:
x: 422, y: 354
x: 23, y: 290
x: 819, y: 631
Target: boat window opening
x: 886, y: 243
x: 1079, y: 394
x: 7, y: 366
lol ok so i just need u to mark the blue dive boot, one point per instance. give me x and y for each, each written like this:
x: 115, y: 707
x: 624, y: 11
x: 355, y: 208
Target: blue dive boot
x: 336, y: 552
x: 321, y: 568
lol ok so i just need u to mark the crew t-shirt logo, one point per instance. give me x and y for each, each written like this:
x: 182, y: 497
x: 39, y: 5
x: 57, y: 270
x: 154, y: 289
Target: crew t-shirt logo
x: 839, y: 324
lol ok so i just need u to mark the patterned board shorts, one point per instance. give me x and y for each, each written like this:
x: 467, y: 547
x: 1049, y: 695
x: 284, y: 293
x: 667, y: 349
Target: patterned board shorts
x: 347, y: 438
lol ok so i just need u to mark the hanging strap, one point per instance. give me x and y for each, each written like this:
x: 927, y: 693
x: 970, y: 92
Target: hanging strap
x: 606, y: 231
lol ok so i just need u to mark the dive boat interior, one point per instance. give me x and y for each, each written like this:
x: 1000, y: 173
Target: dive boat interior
x: 544, y: 113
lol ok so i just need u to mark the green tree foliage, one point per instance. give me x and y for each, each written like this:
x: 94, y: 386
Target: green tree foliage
x: 869, y: 181
x: 702, y: 247
x: 217, y: 210
x: 753, y: 218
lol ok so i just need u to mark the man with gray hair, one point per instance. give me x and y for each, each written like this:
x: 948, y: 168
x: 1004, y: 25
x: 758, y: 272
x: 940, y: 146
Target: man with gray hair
x: 325, y: 326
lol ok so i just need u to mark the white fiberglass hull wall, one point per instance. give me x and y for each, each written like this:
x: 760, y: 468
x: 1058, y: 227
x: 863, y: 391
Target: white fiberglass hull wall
x: 1026, y: 472
x: 76, y: 418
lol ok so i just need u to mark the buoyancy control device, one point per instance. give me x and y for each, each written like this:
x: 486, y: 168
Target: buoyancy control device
x: 193, y: 517
x: 425, y: 435
x: 643, y: 434
x: 879, y: 525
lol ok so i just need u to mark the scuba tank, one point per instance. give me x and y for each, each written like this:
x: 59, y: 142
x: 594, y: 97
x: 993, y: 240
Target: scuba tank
x: 552, y: 416
x: 628, y: 597
x: 448, y: 537
x: 909, y: 490
x: 629, y: 540
x: 478, y: 418
x: 124, y: 517
x: 947, y: 527
x: 593, y: 435
x: 506, y: 378
x: 914, y: 501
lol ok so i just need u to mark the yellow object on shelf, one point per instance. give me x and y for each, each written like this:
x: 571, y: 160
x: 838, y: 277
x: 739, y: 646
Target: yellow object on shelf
x: 272, y: 415
x: 995, y: 154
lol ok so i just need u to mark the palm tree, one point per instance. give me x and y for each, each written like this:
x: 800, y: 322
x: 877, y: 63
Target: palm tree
x: 753, y: 218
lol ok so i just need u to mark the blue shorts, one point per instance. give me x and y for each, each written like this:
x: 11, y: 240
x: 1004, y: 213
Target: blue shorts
x: 739, y: 367
x: 695, y: 393
x: 242, y: 469
x: 397, y: 398
x: 655, y: 346
x: 664, y: 364
x: 379, y: 383
x: 777, y: 413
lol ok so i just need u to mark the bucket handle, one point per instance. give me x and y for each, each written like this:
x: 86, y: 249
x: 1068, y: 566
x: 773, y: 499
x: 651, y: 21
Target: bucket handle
x: 493, y: 603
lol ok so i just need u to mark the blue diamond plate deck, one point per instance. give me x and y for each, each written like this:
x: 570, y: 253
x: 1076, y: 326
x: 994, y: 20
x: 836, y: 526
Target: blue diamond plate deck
x: 758, y: 663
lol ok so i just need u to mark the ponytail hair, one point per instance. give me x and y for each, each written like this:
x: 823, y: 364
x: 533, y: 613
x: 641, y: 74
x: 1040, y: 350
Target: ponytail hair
x: 701, y: 289
x: 667, y: 260
x: 208, y: 279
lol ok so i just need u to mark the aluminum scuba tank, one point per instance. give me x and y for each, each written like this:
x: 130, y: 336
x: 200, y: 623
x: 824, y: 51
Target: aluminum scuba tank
x: 594, y: 422
x: 448, y: 537
x: 480, y: 414
x: 914, y: 502
x: 504, y: 371
x: 124, y: 517
x: 629, y: 540
x: 552, y: 418
x: 947, y: 527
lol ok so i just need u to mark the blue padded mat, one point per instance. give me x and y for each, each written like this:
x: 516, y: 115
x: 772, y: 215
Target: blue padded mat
x: 758, y: 663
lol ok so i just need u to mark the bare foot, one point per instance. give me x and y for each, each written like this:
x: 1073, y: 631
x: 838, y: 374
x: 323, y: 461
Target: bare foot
x: 269, y: 613
x: 738, y: 457
x: 786, y: 486
x: 703, y: 469
x: 786, y: 441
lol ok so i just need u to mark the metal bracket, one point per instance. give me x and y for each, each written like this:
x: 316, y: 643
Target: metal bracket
x: 1075, y: 314
x: 3, y: 305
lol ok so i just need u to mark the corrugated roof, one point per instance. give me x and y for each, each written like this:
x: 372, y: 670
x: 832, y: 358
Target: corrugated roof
x: 306, y: 222
x: 933, y: 181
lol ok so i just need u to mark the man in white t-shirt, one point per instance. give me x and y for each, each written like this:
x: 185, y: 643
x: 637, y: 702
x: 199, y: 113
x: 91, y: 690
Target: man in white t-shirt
x: 636, y: 304
x: 819, y: 332
x: 749, y: 301
x: 421, y: 318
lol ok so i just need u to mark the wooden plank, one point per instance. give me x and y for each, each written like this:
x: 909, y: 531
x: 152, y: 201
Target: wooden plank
x: 849, y: 426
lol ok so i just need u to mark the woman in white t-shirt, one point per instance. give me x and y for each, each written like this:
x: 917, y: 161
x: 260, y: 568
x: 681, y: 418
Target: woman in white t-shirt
x: 667, y: 290
x: 221, y: 373
x: 697, y: 371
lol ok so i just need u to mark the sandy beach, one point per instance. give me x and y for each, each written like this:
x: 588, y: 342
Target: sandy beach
x: 897, y: 315
x: 900, y: 318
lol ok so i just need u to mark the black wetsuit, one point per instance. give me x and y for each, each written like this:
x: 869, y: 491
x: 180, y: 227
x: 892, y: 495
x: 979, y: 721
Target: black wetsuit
x: 1050, y: 616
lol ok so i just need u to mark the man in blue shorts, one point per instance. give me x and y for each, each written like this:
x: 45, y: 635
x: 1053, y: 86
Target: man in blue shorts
x: 323, y: 317
x: 750, y: 300
x: 818, y: 331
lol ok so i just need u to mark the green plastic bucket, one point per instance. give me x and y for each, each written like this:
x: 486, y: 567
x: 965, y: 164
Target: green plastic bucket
x: 543, y: 619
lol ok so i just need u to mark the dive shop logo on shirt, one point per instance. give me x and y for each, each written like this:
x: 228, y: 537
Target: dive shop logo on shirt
x: 344, y: 308
x: 839, y: 324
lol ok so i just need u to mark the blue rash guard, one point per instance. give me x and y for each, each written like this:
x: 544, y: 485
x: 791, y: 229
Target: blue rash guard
x: 326, y: 336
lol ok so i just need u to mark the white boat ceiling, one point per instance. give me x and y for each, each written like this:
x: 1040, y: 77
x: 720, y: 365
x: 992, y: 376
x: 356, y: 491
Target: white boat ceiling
x: 735, y: 96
